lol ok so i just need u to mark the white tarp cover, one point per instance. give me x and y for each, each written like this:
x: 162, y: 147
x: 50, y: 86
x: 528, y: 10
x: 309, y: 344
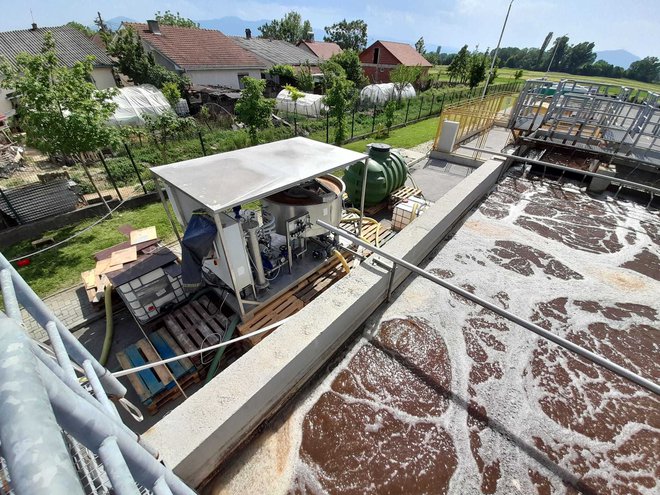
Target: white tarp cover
x: 382, y: 93
x: 309, y: 105
x: 135, y: 101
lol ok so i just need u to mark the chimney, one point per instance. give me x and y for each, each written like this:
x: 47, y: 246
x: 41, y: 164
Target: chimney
x: 34, y: 26
x: 310, y: 36
x: 153, y: 26
x: 248, y: 33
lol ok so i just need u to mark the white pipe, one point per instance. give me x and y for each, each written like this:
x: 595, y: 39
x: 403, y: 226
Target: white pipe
x: 200, y: 351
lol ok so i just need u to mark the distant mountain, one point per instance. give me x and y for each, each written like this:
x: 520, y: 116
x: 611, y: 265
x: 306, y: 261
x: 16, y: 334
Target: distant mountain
x: 232, y: 26
x: 622, y: 58
x: 115, y: 22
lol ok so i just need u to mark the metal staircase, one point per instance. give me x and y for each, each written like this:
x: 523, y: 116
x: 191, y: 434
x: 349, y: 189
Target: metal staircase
x: 58, y: 436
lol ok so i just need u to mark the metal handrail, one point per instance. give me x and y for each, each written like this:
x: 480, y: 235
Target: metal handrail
x: 562, y: 342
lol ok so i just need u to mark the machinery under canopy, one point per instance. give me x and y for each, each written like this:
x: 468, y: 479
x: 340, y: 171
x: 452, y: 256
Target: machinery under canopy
x: 250, y: 215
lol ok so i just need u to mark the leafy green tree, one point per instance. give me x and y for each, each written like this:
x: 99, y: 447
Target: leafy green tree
x: 339, y: 98
x: 349, y: 35
x: 165, y: 126
x: 87, y: 31
x: 477, y: 70
x: 578, y: 56
x: 252, y: 108
x: 290, y: 28
x: 556, y: 55
x: 350, y: 62
x: 458, y: 69
x: 104, y: 30
x: 295, y: 95
x: 171, y: 93
x: 518, y: 74
x: 282, y: 70
x: 402, y: 75
x: 304, y: 78
x: 432, y: 58
x: 419, y: 46
x: 60, y: 109
x: 331, y: 70
x: 170, y: 19
x: 646, y: 70
x: 134, y: 62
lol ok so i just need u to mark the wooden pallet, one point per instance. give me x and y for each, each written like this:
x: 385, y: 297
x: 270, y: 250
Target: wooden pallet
x: 402, y: 194
x: 294, y: 299
x: 155, y: 386
x: 197, y: 324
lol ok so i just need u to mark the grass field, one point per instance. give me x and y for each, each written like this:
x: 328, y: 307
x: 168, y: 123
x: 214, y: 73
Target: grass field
x: 60, y: 267
x: 505, y: 75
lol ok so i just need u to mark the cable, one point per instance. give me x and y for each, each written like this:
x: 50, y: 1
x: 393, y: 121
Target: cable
x: 64, y: 241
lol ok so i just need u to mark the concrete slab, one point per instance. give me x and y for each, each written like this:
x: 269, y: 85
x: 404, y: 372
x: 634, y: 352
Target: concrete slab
x: 495, y: 140
x: 437, y: 177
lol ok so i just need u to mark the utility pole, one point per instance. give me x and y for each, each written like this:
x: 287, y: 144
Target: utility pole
x: 552, y: 59
x: 490, y: 72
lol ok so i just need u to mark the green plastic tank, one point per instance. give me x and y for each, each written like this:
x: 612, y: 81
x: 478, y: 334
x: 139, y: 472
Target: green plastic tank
x: 387, y: 171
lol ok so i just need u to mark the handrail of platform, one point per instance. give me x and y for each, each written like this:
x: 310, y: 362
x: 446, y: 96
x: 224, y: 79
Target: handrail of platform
x: 611, y: 178
x: 562, y: 342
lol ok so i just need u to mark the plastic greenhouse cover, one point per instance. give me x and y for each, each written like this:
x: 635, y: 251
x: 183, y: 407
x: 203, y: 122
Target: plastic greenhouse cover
x: 309, y: 104
x: 135, y: 101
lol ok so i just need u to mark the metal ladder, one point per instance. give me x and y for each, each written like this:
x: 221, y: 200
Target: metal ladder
x: 53, y: 430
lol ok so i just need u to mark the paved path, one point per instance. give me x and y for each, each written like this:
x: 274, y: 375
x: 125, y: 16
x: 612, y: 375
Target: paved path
x: 71, y: 306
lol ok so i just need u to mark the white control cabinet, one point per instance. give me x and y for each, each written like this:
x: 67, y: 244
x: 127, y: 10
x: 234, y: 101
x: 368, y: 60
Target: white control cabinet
x: 232, y: 234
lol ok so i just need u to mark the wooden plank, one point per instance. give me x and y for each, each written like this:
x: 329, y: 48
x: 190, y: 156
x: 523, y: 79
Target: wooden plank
x: 136, y: 382
x: 185, y: 362
x: 152, y: 357
x: 126, y: 229
x: 198, y: 323
x: 182, y: 338
x: 165, y: 352
x: 216, y: 330
x: 89, y: 278
x: 142, y: 235
x: 106, y: 253
x: 123, y: 256
x: 147, y: 376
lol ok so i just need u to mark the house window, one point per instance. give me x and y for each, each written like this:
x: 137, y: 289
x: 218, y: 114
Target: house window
x: 376, y: 55
x: 240, y: 80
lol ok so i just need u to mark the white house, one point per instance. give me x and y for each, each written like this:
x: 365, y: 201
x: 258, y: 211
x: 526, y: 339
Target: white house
x: 207, y: 57
x: 71, y: 46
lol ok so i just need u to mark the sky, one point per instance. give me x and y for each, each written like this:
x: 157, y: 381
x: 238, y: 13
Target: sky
x: 611, y: 24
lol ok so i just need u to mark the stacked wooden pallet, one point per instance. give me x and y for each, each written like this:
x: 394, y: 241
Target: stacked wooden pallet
x: 294, y: 299
x: 156, y: 386
x: 402, y: 194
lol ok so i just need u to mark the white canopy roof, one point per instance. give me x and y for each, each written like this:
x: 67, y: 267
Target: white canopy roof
x: 225, y: 180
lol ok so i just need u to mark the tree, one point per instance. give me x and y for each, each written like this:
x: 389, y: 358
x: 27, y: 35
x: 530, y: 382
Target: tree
x: 419, y: 46
x: 646, y: 70
x: 171, y: 93
x: 349, y: 35
x: 165, y: 126
x: 350, y: 62
x: 459, y: 66
x: 558, y: 52
x: 304, y: 78
x: 170, y: 19
x: 104, y: 30
x: 339, y: 98
x: 477, y: 70
x: 60, y: 109
x: 252, y: 108
x: 290, y: 28
x: 134, y: 62
x: 518, y: 74
x: 87, y: 31
x: 432, y: 57
x: 295, y: 94
x: 402, y: 75
x: 577, y: 56
x: 390, y: 109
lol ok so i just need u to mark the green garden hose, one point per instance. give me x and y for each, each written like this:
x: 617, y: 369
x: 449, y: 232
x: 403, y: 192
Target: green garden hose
x: 218, y: 354
x: 109, y: 326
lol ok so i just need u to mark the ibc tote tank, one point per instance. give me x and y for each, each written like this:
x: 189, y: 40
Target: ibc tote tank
x: 387, y: 172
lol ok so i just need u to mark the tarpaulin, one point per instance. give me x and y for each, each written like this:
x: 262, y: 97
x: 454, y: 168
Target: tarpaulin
x: 195, y: 246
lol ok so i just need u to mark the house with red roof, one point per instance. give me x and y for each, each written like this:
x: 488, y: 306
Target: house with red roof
x: 321, y: 49
x: 380, y: 58
x: 206, y: 56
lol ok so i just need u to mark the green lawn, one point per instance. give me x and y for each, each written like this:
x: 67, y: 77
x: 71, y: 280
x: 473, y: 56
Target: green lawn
x: 505, y: 75
x: 405, y: 137
x: 60, y: 267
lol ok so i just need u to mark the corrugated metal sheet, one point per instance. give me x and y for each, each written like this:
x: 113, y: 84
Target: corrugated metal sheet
x: 277, y: 51
x: 71, y: 45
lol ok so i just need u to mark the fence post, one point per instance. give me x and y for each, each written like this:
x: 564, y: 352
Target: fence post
x: 327, y: 127
x: 11, y: 207
x: 373, y: 119
x: 407, y: 108
x: 137, y: 172
x: 201, y: 141
x: 353, y: 120
x: 421, y: 102
x: 442, y: 104
x: 112, y: 179
x: 432, y: 100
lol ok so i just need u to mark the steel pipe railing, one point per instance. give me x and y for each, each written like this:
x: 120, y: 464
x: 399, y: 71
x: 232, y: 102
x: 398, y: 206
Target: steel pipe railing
x: 562, y: 342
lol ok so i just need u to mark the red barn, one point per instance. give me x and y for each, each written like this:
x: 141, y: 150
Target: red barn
x: 383, y: 56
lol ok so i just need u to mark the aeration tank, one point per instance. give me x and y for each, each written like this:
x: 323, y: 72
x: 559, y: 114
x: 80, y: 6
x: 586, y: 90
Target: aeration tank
x: 387, y: 171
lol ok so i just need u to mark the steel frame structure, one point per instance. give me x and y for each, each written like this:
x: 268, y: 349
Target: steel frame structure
x: 53, y: 430
x: 598, y: 118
